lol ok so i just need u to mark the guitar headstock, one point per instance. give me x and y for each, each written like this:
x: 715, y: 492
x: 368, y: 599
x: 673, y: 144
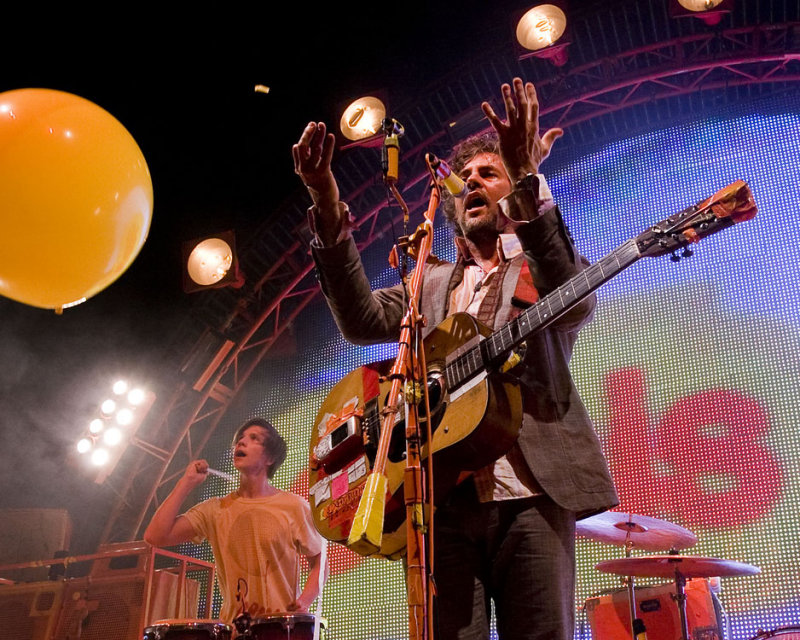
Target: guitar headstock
x: 728, y: 206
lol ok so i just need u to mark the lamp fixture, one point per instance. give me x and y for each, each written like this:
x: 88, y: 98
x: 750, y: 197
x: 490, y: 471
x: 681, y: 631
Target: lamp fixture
x: 699, y: 5
x: 540, y: 31
x: 709, y: 11
x: 210, y: 263
x: 102, y: 443
x: 361, y: 121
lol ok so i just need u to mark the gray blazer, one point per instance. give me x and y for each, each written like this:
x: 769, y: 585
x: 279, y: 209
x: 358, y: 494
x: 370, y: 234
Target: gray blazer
x: 557, y: 438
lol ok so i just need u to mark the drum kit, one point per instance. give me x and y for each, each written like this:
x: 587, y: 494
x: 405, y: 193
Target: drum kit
x: 278, y: 626
x: 652, y: 534
x: 626, y: 530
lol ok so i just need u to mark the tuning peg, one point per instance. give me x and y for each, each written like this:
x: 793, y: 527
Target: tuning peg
x: 687, y: 253
x: 675, y: 258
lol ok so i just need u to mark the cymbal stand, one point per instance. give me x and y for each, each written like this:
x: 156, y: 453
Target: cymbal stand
x: 680, y: 601
x: 638, y: 630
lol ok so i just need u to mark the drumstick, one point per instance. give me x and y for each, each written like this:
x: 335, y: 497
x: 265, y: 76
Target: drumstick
x: 221, y: 474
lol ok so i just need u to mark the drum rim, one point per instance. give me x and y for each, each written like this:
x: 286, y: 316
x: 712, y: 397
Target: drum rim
x: 776, y: 632
x: 188, y: 622
x: 299, y: 615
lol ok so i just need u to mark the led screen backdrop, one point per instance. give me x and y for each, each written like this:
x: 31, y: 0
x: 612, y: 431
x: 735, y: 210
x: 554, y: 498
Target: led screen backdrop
x: 690, y: 370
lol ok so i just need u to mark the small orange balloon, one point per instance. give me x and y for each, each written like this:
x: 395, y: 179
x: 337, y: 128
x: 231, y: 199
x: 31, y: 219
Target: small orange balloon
x: 76, y: 198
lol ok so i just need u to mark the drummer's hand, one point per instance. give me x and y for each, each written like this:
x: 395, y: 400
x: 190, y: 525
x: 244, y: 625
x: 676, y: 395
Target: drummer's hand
x: 196, y: 473
x: 296, y: 606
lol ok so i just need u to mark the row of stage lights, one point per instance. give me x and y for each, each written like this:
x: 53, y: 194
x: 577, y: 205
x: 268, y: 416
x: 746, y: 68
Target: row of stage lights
x: 114, y: 426
x: 541, y: 32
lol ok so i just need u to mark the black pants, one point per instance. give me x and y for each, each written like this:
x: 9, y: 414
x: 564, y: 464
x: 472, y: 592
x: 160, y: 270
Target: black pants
x: 519, y: 553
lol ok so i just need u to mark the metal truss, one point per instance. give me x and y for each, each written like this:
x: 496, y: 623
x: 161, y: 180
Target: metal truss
x: 684, y: 65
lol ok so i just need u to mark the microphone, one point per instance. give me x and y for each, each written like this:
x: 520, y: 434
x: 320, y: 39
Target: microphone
x: 390, y: 152
x: 455, y: 185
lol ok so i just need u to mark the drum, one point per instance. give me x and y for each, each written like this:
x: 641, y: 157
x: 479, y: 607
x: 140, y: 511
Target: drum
x: 783, y: 633
x: 187, y: 630
x: 283, y: 626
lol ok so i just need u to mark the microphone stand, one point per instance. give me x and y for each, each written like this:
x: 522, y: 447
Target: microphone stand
x: 409, y: 386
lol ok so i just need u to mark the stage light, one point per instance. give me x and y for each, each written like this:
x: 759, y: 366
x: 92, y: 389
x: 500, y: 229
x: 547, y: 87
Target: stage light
x: 124, y: 417
x: 112, y: 436
x: 362, y: 118
x: 128, y: 412
x: 211, y: 263
x: 120, y: 387
x: 540, y: 29
x: 84, y: 445
x: 709, y: 11
x: 100, y: 457
x: 699, y: 5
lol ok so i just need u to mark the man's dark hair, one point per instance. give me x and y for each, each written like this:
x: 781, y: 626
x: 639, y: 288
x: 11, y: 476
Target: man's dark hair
x: 274, y: 444
x: 462, y: 153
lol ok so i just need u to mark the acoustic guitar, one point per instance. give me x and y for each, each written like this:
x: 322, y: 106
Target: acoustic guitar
x: 476, y: 406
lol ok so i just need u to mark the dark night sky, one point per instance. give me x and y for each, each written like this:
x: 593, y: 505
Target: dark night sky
x: 219, y: 156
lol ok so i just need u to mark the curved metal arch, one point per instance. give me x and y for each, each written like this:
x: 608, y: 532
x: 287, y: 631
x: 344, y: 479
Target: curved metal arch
x: 737, y: 57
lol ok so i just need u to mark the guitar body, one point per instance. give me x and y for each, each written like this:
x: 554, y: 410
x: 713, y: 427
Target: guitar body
x: 473, y: 425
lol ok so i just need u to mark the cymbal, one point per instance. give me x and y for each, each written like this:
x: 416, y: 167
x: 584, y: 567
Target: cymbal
x: 667, y: 566
x: 644, y: 532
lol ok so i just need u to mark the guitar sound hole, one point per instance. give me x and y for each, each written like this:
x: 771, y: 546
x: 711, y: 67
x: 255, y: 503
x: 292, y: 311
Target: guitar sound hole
x: 397, y: 445
x: 435, y: 390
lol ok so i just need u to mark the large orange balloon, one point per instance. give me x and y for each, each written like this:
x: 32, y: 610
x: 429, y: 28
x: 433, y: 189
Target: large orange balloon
x: 76, y: 198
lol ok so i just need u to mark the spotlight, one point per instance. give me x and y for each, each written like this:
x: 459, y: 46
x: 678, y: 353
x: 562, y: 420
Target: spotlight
x: 361, y: 121
x: 136, y: 396
x: 538, y: 31
x: 699, y: 5
x: 100, y: 457
x: 129, y: 411
x: 709, y: 11
x: 211, y: 263
x: 112, y: 437
x: 120, y: 387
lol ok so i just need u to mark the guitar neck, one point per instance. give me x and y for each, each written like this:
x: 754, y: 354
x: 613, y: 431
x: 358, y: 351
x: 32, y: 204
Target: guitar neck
x: 496, y: 348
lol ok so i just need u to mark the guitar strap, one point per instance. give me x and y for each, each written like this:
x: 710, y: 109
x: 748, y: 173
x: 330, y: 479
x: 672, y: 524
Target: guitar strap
x: 525, y: 294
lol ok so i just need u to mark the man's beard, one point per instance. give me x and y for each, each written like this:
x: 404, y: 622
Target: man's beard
x: 480, y: 230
